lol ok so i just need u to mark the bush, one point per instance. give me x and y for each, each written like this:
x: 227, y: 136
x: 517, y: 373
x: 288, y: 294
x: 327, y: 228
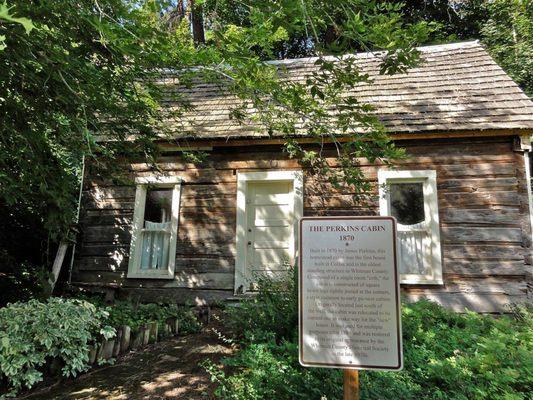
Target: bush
x: 272, y: 312
x: 447, y: 355
x: 135, y: 315
x: 34, y: 332
x: 22, y: 280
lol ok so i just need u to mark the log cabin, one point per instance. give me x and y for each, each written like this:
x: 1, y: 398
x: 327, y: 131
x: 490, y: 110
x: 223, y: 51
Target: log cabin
x: 199, y: 232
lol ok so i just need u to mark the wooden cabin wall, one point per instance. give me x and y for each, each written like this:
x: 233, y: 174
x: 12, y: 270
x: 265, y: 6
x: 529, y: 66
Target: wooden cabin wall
x: 485, y: 231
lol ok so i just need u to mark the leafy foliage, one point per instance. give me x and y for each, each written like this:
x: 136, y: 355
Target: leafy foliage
x: 22, y: 280
x: 135, y: 315
x: 92, y: 69
x: 452, y: 20
x: 77, y: 76
x: 503, y: 26
x: 271, y: 314
x: 7, y: 16
x: 35, y: 332
x: 447, y: 355
x: 508, y: 34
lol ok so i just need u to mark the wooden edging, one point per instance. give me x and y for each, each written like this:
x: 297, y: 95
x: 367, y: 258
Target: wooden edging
x: 128, y: 340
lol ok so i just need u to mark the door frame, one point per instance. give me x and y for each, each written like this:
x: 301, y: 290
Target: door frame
x: 243, y: 179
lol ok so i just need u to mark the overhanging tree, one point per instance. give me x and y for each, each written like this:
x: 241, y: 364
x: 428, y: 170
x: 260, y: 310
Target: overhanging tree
x: 90, y: 67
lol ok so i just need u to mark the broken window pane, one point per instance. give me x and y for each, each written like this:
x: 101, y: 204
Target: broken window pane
x: 407, y: 202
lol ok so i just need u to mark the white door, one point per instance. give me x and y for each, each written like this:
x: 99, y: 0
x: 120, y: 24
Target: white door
x: 269, y: 228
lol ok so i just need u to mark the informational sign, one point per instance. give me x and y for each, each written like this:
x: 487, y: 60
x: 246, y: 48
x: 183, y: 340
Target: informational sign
x: 349, y: 293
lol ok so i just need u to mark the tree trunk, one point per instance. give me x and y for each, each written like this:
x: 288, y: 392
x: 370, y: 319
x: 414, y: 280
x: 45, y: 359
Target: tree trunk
x: 197, y: 22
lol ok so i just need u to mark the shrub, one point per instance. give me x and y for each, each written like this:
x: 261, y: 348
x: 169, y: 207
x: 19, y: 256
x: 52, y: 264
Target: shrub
x: 135, y: 315
x: 21, y: 280
x: 447, y: 355
x: 34, y: 332
x: 272, y: 312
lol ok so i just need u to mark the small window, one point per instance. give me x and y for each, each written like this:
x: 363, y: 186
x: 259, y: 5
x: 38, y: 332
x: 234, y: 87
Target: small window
x: 411, y: 197
x: 407, y: 202
x: 156, y: 229
x: 154, y: 235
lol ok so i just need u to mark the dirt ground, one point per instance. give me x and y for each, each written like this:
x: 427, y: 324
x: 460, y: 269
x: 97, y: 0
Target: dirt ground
x: 165, y: 370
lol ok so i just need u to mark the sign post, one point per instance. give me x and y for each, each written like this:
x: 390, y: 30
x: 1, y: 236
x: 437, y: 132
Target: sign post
x: 351, y: 384
x: 349, y: 297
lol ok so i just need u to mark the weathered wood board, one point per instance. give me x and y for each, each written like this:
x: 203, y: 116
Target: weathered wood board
x: 485, y: 233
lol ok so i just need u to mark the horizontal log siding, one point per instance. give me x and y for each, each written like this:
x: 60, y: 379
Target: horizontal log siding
x: 483, y: 209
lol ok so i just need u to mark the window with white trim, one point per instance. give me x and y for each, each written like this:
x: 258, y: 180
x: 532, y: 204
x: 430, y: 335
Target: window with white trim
x: 155, y: 228
x: 411, y: 197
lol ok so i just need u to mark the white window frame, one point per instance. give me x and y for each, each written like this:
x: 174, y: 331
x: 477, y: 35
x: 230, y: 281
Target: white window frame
x: 431, y: 208
x: 134, y: 265
x: 243, y: 179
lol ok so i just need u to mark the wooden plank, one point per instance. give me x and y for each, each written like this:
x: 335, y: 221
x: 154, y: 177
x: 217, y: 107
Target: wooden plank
x: 105, y: 250
x: 117, y: 220
x: 222, y: 200
x: 477, y: 184
x: 212, y: 211
x: 208, y: 232
x: 58, y: 262
x: 339, y: 201
x: 473, y: 150
x: 478, y: 204
x: 209, y: 280
x: 427, y: 154
x: 108, y: 204
x: 266, y: 141
x: 200, y: 190
x: 167, y: 163
x: 200, y: 248
x: 457, y: 268
x: 200, y: 175
x: 186, y: 264
x: 110, y: 192
x: 192, y: 216
x: 95, y: 263
x: 191, y: 280
x: 101, y: 277
x: 511, y: 286
x: 485, y: 252
x: 107, y: 234
x: 457, y: 235
x: 205, y: 264
x: 476, y: 199
x: 317, y: 212
x: 509, y: 216
x: 476, y: 170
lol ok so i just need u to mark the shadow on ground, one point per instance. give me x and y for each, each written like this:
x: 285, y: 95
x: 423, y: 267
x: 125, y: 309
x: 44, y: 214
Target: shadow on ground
x: 165, y: 370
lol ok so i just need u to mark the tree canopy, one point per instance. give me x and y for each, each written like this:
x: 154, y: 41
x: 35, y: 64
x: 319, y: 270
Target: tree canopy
x: 74, y: 70
x: 78, y: 74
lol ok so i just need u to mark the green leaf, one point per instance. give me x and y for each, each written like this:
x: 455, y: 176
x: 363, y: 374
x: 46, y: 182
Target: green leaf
x: 6, y: 16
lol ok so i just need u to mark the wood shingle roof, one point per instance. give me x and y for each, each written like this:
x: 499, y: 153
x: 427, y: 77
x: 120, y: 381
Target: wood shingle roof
x: 456, y: 87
